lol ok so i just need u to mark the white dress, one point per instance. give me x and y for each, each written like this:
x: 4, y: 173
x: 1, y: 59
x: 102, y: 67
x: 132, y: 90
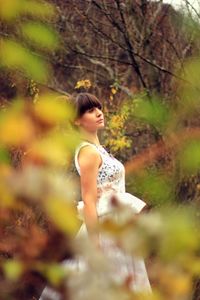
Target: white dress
x: 111, y: 183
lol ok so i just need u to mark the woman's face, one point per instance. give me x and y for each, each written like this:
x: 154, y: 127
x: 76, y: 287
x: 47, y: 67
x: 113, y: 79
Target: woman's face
x: 91, y: 120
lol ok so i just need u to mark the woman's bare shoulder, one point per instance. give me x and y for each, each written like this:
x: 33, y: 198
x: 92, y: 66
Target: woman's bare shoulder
x: 89, y: 155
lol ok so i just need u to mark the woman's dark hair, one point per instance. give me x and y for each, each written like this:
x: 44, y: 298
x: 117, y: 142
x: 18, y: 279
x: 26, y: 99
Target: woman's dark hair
x: 84, y: 102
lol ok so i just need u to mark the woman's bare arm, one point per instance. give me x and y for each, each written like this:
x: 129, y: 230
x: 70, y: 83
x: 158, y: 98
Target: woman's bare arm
x: 89, y: 162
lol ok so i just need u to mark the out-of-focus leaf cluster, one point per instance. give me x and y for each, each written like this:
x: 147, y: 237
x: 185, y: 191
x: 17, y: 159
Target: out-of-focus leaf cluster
x: 38, y: 199
x: 115, y: 133
x: 22, y: 51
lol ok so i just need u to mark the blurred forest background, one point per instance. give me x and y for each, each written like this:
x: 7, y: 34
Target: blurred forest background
x: 142, y: 59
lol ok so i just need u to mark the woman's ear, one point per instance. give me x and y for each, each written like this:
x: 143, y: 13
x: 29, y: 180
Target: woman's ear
x: 77, y: 122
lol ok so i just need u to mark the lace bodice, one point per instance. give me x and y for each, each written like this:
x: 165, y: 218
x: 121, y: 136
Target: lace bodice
x: 111, y: 175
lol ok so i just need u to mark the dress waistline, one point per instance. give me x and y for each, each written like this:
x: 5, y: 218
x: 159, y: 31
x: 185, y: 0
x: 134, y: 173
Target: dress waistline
x: 105, y: 206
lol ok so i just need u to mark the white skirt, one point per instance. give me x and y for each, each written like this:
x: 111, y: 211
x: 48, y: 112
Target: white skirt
x: 124, y: 266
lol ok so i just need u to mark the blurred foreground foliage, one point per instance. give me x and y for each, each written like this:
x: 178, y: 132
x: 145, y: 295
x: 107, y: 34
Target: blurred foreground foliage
x: 38, y: 198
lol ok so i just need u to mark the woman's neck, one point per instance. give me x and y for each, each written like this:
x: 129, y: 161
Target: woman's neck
x: 91, y: 138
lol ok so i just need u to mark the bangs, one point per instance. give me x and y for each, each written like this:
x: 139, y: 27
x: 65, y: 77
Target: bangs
x: 86, y: 101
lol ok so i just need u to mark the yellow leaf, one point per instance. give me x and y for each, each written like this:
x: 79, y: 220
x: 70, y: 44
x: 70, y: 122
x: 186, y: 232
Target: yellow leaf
x: 9, y: 9
x: 113, y: 90
x: 87, y: 83
x: 15, y: 129
x: 53, y: 111
x: 83, y: 83
x: 50, y: 149
x: 64, y: 214
x: 111, y: 97
x: 176, y: 283
x: 7, y: 199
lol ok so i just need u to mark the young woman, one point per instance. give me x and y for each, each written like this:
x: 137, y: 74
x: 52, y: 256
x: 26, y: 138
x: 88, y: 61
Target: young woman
x: 102, y: 178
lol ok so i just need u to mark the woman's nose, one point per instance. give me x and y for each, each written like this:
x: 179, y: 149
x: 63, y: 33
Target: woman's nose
x: 98, y: 112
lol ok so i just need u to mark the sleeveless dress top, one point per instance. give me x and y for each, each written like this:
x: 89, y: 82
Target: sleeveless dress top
x: 110, y: 182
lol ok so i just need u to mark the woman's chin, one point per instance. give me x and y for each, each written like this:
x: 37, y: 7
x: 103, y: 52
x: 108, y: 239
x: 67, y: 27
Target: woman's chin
x: 101, y: 126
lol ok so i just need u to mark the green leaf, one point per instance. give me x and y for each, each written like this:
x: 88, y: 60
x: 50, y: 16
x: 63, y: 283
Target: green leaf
x: 15, y: 56
x: 190, y: 156
x: 190, y: 91
x: 4, y: 156
x: 55, y: 273
x: 10, y: 9
x: 40, y: 34
x: 13, y: 269
x: 156, y: 188
x: 152, y: 112
x: 38, y: 8
x: 179, y: 236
